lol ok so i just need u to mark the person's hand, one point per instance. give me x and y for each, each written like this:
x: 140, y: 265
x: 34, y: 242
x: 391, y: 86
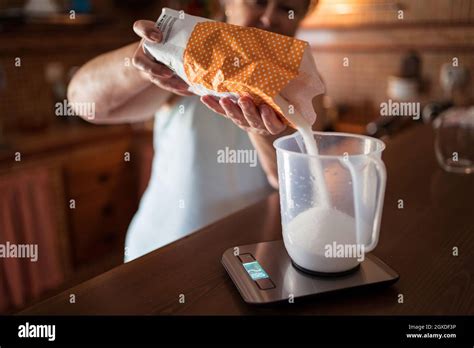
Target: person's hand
x: 157, y: 73
x: 260, y: 119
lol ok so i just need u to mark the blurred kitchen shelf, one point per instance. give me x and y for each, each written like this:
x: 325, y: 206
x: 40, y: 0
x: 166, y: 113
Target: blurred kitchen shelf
x: 390, y: 38
x: 65, y: 20
x: 14, y: 19
x: 406, y: 25
x: 57, y: 137
x: 52, y: 35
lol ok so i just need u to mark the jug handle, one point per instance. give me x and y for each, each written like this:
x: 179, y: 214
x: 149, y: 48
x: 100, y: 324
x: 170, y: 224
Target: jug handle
x: 381, y: 183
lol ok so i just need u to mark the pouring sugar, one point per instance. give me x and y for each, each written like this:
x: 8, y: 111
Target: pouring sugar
x: 310, y: 233
x: 304, y: 128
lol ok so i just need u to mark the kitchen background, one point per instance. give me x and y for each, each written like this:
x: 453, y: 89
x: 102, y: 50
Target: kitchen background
x: 72, y: 187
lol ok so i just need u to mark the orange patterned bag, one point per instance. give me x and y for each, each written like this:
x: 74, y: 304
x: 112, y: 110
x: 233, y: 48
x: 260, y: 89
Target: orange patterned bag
x: 227, y: 60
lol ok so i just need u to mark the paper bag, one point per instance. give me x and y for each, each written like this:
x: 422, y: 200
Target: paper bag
x: 221, y: 59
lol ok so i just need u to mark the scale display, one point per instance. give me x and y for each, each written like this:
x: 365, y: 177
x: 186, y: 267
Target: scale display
x: 255, y: 271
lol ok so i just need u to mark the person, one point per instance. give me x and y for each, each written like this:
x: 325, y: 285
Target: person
x: 189, y: 188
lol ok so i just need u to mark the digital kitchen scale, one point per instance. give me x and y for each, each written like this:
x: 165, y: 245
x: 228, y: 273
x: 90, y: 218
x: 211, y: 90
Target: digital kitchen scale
x: 264, y: 273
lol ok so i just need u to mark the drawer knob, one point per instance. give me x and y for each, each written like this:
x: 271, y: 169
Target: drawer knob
x: 103, y: 177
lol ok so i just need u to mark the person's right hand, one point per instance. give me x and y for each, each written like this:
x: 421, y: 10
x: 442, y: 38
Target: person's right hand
x: 157, y: 73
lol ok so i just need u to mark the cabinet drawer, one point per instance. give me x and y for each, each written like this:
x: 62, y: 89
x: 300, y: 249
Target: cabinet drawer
x: 98, y: 168
x: 99, y: 223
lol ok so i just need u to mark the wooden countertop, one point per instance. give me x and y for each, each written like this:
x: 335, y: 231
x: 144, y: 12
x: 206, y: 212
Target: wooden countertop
x: 416, y: 241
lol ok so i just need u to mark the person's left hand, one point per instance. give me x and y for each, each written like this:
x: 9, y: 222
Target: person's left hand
x: 245, y: 114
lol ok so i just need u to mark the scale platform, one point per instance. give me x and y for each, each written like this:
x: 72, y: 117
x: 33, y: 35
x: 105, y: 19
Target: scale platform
x: 263, y: 273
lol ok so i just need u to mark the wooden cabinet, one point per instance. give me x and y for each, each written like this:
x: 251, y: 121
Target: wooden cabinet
x: 95, y: 192
x: 100, y: 181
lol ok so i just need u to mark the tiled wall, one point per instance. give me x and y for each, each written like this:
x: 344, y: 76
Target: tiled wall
x: 374, y: 40
x: 366, y: 76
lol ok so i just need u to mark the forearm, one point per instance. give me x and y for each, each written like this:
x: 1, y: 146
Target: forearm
x: 138, y: 108
x: 114, y: 86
